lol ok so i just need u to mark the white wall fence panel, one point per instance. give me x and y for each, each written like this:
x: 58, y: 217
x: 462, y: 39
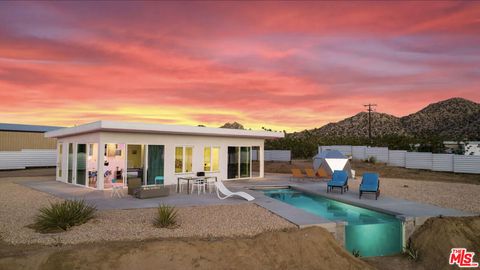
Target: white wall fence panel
x: 418, y: 160
x: 278, y: 155
x: 359, y: 152
x: 344, y: 149
x: 27, y: 158
x: 397, y: 158
x: 442, y: 162
x: 379, y: 153
x: 411, y: 160
x: 466, y: 164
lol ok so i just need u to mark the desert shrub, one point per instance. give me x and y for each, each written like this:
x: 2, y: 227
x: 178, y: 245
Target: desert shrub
x: 61, y: 216
x: 356, y: 253
x: 411, y: 252
x: 166, y: 217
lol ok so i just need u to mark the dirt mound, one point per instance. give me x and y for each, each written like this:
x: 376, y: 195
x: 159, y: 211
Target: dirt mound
x: 437, y: 236
x: 311, y: 248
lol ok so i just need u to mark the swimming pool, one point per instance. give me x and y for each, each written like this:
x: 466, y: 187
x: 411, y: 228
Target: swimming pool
x: 370, y: 232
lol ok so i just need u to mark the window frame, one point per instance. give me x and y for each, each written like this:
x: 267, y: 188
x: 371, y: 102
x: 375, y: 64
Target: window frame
x: 211, y: 158
x: 183, y: 158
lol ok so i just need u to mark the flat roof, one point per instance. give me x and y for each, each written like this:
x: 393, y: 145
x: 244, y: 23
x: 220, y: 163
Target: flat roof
x: 26, y: 128
x: 130, y: 127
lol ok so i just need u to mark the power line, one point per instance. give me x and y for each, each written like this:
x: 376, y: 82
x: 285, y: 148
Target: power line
x: 370, y: 108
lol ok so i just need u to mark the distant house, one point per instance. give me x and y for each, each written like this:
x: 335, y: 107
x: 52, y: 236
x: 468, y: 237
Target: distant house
x: 16, y: 137
x: 468, y: 148
x: 25, y: 146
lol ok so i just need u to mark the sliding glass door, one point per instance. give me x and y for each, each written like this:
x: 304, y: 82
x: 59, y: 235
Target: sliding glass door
x: 81, y: 164
x: 155, y: 164
x: 244, y: 162
x: 239, y: 162
x: 233, y: 156
x: 70, y: 163
x: 60, y: 161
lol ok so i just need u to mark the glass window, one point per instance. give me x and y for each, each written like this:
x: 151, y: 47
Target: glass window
x: 215, y: 159
x: 81, y: 164
x: 70, y: 163
x: 188, y: 159
x: 211, y: 157
x: 178, y: 159
x: 183, y: 159
x: 92, y: 164
x: 60, y: 157
x: 207, y: 156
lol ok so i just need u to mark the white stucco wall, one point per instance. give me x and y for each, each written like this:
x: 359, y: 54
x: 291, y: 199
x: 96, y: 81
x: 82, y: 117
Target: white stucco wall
x: 170, y: 142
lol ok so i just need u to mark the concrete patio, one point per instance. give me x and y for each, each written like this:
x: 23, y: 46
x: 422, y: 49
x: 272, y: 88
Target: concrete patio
x: 409, y: 211
x: 104, y: 201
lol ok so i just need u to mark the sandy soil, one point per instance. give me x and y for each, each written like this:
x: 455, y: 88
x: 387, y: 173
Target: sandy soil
x: 383, y: 170
x: 20, y: 204
x: 434, y: 240
x: 437, y: 236
x: 311, y: 248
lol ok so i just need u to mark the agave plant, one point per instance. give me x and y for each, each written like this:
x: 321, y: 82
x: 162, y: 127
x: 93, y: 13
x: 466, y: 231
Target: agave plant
x: 411, y: 252
x: 356, y: 253
x: 61, y: 216
x: 166, y: 217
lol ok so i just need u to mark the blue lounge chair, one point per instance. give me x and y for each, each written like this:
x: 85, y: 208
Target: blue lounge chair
x: 370, y: 184
x: 339, y: 180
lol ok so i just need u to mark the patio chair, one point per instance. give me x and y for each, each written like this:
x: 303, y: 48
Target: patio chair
x: 199, y: 184
x: 339, y: 180
x: 210, y: 182
x: 220, y: 187
x: 116, y: 188
x: 159, y: 180
x: 297, y: 173
x: 310, y: 173
x: 370, y: 184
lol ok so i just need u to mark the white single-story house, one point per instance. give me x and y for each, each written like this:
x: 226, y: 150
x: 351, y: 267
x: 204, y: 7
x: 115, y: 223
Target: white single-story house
x: 97, y: 154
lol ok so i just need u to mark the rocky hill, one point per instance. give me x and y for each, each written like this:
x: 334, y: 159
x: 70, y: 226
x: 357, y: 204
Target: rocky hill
x: 454, y: 118
x: 451, y: 118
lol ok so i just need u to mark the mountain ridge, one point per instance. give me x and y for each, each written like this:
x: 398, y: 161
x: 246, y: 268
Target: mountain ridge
x: 454, y: 118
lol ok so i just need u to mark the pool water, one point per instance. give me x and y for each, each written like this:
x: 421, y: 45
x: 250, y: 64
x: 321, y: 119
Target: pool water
x: 369, y: 232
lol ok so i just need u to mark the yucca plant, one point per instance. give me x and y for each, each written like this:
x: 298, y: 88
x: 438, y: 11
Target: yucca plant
x: 61, y: 216
x: 166, y: 216
x: 356, y: 253
x: 411, y: 252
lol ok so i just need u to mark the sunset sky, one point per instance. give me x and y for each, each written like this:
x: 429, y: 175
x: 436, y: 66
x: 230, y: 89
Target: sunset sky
x: 283, y: 65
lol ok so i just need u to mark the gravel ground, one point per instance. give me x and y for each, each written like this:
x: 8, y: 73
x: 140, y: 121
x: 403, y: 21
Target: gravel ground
x: 19, y: 205
x: 459, y: 196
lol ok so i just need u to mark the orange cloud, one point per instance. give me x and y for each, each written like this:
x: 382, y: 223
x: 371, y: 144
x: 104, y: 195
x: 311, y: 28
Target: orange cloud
x: 287, y: 66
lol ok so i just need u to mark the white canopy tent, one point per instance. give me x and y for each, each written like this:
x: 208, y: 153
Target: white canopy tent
x: 328, y: 161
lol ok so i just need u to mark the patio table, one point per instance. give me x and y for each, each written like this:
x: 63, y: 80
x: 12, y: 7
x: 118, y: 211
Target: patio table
x: 188, y: 179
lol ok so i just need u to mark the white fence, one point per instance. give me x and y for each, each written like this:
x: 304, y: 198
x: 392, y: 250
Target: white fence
x: 396, y: 158
x: 274, y: 155
x: 416, y: 160
x: 411, y: 160
x: 27, y: 158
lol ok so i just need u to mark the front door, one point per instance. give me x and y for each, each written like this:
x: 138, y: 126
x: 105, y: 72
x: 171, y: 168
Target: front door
x: 155, y: 171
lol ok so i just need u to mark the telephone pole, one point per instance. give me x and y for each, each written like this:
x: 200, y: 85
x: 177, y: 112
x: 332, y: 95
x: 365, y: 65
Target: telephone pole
x: 370, y: 108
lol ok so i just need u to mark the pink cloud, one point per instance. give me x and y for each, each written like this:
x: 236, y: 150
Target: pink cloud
x: 282, y: 65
